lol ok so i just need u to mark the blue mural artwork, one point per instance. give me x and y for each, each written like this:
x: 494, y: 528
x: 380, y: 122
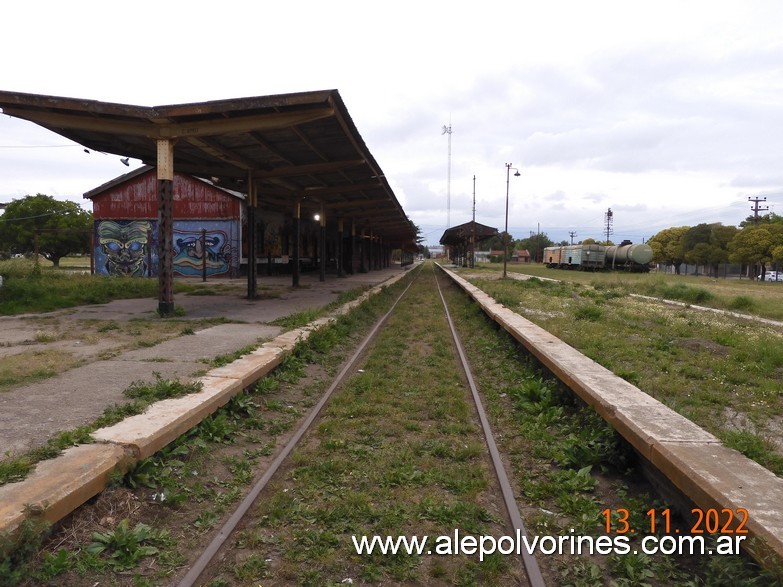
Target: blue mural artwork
x: 123, y: 247
x: 190, y: 247
x: 129, y: 248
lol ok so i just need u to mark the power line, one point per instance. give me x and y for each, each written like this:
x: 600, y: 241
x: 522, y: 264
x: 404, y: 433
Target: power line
x: 4, y: 219
x: 36, y: 146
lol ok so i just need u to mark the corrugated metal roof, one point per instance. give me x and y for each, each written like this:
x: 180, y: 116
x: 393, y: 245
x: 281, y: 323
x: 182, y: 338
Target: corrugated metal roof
x: 301, y: 145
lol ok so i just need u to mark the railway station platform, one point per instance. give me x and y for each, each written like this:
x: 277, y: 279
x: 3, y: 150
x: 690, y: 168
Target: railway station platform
x: 31, y: 414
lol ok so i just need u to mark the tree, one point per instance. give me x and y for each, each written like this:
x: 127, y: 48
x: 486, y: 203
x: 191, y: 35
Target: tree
x: 770, y: 218
x: 60, y: 228
x: 535, y: 245
x: 751, y: 245
x: 668, y: 247
x: 707, y: 244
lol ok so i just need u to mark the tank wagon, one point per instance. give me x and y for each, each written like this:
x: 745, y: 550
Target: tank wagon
x: 626, y: 256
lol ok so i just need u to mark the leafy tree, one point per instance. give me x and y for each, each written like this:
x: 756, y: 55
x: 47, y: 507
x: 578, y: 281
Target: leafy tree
x: 60, y: 227
x: 707, y: 244
x: 752, y: 245
x: 668, y: 248
x: 535, y: 245
x: 770, y: 218
x: 494, y: 243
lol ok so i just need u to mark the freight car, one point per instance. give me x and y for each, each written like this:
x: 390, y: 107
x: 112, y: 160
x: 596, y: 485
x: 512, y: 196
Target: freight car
x: 626, y: 256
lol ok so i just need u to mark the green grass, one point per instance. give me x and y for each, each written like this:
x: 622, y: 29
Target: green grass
x: 757, y: 298
x: 29, y: 288
x: 390, y: 456
x: 703, y: 365
x: 553, y: 440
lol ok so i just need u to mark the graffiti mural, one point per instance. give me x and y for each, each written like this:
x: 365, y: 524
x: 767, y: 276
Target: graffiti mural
x: 129, y: 248
x: 190, y: 248
x: 216, y: 247
x: 123, y: 247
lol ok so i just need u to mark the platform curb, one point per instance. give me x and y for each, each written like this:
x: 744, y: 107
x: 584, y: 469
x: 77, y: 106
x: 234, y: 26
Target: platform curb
x: 695, y: 461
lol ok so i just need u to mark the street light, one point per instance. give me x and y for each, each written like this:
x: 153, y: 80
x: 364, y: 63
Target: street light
x: 505, y: 236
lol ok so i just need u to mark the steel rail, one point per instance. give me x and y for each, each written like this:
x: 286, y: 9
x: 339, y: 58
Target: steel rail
x: 217, y: 542
x: 529, y: 561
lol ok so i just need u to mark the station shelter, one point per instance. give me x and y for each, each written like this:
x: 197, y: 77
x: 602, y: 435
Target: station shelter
x: 463, y: 239
x: 306, y: 173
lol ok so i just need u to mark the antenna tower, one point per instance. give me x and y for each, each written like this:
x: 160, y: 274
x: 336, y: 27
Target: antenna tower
x: 447, y: 130
x: 608, y: 221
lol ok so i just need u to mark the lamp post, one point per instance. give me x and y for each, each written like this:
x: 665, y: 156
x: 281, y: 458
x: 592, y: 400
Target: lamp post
x: 505, y: 236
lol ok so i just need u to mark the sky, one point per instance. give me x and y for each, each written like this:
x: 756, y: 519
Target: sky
x: 669, y: 113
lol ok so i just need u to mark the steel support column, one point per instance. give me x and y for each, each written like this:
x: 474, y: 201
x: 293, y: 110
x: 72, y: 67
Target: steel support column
x: 362, y: 266
x: 340, y: 271
x: 165, y: 170
x: 252, y: 238
x: 322, y: 245
x: 297, y: 238
x: 352, y: 248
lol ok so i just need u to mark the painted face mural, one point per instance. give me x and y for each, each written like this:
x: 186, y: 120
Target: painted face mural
x: 125, y: 247
x: 190, y: 251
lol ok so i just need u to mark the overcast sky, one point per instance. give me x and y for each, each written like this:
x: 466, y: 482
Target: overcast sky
x: 668, y: 112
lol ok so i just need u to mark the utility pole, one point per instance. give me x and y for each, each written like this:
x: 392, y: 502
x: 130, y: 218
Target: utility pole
x: 572, y: 234
x: 473, y: 236
x: 447, y: 130
x: 756, y: 208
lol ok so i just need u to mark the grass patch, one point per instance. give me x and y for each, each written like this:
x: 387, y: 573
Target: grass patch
x: 31, y: 366
x: 367, y: 469
x: 28, y: 288
x: 698, y: 363
x: 571, y: 464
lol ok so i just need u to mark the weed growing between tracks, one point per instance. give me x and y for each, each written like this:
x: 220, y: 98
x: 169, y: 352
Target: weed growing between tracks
x: 396, y: 452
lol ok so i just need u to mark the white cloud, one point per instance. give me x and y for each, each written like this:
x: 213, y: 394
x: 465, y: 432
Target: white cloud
x: 667, y: 112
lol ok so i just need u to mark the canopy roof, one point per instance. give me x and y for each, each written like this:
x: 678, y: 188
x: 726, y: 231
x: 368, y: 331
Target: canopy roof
x: 458, y: 235
x: 295, y: 146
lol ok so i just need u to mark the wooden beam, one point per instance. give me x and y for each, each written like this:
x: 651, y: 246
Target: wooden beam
x: 148, y: 128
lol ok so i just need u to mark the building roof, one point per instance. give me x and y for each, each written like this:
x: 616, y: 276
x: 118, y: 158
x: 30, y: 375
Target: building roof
x: 294, y: 146
x: 146, y: 169
x: 457, y: 235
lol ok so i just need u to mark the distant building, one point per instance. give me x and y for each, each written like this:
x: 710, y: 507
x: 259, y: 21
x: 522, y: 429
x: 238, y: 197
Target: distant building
x: 437, y: 251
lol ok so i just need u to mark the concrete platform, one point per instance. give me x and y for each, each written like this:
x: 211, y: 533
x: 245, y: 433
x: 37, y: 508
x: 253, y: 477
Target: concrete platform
x: 60, y: 485
x: 696, y: 462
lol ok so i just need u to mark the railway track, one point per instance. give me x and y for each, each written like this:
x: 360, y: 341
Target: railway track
x: 397, y: 446
x: 513, y: 525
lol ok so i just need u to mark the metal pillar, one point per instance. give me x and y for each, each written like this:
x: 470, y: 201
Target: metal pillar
x: 362, y: 267
x: 297, y: 237
x: 252, y: 234
x: 322, y: 245
x: 165, y: 171
x: 340, y: 271
x: 352, y: 247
